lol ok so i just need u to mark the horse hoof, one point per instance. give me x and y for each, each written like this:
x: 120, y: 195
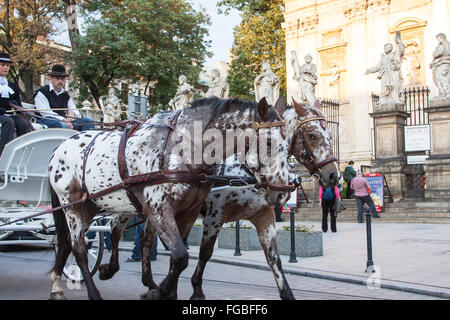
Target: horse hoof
x: 106, y: 272
x: 57, y: 296
x: 197, y: 297
x: 151, y: 295
x: 155, y: 294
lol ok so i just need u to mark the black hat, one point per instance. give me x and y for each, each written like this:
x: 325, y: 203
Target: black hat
x: 58, y: 70
x: 4, y: 57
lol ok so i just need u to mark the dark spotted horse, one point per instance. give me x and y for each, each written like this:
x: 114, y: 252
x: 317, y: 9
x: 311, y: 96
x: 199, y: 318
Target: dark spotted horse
x: 148, y: 173
x: 309, y: 142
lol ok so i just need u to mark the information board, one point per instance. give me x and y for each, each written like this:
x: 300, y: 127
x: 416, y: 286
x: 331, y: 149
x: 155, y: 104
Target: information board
x: 417, y: 138
x: 376, y: 189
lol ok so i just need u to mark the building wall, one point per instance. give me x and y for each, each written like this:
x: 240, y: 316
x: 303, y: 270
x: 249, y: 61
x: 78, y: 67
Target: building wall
x: 345, y: 37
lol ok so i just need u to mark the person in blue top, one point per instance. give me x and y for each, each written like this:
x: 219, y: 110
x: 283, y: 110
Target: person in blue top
x: 328, y: 199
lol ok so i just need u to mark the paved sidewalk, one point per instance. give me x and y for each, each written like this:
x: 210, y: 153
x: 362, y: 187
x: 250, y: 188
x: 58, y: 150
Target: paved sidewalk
x: 409, y: 257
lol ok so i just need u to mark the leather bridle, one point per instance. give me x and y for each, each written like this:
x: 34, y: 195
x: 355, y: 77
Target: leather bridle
x: 315, y: 166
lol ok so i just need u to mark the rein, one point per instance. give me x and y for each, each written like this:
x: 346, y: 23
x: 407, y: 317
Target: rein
x: 189, y: 176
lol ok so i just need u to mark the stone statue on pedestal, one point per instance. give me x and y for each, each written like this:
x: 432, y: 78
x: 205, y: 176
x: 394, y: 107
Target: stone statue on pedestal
x: 218, y: 87
x: 389, y: 72
x: 267, y: 85
x: 440, y: 67
x: 110, y: 106
x: 306, y: 77
x: 184, y: 95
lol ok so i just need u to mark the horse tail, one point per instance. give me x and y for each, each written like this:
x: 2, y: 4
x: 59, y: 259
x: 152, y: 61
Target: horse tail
x: 64, y: 245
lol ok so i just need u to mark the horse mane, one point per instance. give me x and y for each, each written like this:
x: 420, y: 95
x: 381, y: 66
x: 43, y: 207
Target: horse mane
x: 220, y: 106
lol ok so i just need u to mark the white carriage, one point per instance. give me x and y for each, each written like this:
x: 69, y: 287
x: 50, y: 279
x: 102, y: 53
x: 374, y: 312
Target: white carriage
x: 24, y: 191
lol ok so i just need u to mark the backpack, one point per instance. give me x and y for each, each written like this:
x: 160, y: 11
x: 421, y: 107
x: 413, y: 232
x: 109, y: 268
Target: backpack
x: 347, y: 176
x: 328, y: 194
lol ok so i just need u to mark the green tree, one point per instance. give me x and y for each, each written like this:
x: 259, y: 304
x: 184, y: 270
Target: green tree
x: 150, y: 41
x: 257, y: 39
x: 25, y: 26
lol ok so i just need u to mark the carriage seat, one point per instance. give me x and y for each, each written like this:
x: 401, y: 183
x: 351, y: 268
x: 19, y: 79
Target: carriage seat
x: 36, y: 125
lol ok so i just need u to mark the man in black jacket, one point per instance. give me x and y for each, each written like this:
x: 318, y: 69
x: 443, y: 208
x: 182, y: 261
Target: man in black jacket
x: 9, y: 94
x: 58, y: 109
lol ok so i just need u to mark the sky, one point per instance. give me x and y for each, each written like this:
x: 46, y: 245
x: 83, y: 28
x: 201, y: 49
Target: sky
x: 220, y: 31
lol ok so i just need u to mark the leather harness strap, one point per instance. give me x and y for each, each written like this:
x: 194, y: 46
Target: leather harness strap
x: 123, y: 169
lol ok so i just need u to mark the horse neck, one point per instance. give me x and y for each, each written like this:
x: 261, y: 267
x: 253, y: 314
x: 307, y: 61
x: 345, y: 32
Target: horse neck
x: 290, y: 116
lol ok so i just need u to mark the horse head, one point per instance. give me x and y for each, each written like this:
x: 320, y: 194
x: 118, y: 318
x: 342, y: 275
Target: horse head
x: 310, y: 141
x: 271, y: 168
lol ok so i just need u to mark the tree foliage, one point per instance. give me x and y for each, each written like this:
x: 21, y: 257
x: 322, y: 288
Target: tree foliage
x: 150, y: 41
x: 257, y: 39
x: 22, y: 24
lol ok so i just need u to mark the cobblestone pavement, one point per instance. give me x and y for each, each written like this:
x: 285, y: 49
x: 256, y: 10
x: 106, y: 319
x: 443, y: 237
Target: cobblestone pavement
x: 24, y: 274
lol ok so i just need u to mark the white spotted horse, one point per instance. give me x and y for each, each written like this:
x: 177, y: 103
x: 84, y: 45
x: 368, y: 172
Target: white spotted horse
x: 310, y: 143
x: 145, y: 171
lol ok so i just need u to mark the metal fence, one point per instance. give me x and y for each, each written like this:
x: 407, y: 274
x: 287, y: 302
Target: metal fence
x: 416, y: 99
x: 330, y: 109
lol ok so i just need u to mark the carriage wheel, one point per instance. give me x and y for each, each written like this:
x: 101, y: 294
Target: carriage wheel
x: 95, y: 255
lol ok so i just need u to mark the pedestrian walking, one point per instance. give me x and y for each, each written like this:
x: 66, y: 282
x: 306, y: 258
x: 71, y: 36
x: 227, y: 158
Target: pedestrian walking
x: 349, y: 174
x: 328, y: 197
x: 362, y: 193
x: 137, y: 250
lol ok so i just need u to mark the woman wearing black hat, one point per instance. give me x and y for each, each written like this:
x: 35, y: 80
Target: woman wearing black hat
x: 9, y: 94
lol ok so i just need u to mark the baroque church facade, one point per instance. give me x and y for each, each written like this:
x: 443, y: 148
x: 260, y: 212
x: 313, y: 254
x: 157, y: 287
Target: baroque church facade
x: 345, y: 37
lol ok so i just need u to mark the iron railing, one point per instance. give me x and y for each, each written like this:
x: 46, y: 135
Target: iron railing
x: 330, y: 109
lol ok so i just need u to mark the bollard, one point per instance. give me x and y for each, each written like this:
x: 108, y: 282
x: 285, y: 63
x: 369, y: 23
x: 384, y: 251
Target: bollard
x: 369, y: 240
x: 237, y: 249
x: 292, y: 257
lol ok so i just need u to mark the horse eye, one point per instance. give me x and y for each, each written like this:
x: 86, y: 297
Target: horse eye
x: 311, y: 136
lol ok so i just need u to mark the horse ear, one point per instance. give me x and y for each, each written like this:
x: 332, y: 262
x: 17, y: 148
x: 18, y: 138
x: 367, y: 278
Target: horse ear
x: 299, y: 108
x: 281, y: 106
x: 263, y: 109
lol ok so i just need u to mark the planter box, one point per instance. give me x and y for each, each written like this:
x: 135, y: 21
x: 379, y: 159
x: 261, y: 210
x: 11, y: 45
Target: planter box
x: 306, y: 244
x: 248, y: 239
x: 195, y: 236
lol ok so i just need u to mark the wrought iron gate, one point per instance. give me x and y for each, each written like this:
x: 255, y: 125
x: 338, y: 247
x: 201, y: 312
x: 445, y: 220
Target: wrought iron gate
x: 330, y: 109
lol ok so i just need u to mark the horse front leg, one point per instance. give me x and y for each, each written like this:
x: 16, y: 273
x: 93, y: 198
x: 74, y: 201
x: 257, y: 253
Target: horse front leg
x: 264, y: 222
x: 108, y: 270
x: 164, y: 223
x: 147, y: 240
x: 211, y: 229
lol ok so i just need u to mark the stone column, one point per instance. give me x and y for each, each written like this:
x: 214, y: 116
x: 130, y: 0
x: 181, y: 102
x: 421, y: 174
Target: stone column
x: 390, y: 158
x: 437, y: 166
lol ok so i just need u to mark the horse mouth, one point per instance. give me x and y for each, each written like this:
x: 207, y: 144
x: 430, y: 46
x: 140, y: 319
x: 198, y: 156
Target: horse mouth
x: 329, y: 178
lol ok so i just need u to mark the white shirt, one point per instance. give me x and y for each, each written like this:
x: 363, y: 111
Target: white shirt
x: 5, y: 90
x: 42, y: 103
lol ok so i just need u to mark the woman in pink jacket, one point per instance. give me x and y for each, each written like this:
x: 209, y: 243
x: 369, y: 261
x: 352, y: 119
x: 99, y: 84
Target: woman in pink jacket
x: 327, y: 201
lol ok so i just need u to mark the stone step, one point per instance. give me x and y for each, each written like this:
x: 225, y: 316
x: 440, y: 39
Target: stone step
x: 403, y: 211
